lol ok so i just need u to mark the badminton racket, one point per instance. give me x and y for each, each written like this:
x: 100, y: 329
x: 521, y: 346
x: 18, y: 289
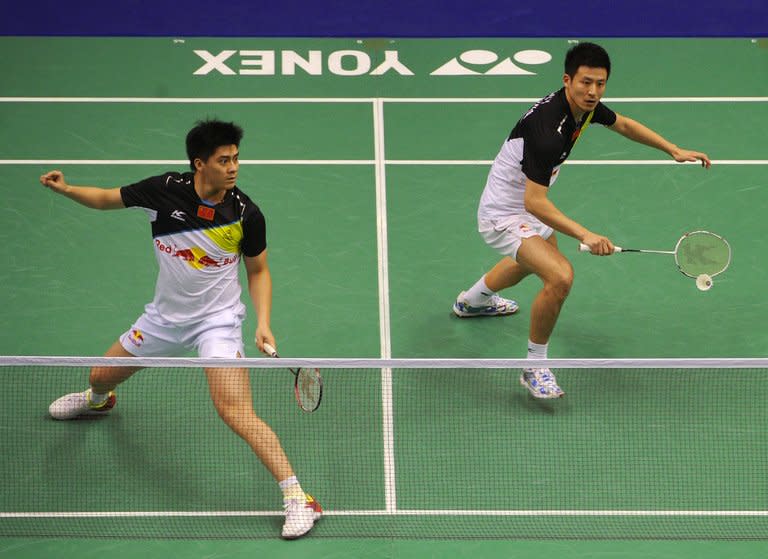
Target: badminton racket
x: 697, y: 254
x: 307, y: 384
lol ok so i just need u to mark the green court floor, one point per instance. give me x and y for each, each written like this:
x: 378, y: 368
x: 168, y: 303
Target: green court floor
x: 364, y: 176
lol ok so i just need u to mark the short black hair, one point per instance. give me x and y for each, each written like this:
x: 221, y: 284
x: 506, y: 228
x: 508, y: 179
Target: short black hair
x: 586, y: 54
x: 209, y: 135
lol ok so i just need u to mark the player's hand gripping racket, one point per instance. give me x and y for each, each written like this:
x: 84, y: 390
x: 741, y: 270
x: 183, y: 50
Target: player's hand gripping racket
x: 307, y: 384
x: 699, y: 254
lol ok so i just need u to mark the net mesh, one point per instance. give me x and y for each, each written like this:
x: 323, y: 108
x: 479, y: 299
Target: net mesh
x: 415, y: 449
x: 702, y: 252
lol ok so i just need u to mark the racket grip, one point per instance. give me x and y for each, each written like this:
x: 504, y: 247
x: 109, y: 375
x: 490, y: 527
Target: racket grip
x: 271, y: 351
x: 585, y: 248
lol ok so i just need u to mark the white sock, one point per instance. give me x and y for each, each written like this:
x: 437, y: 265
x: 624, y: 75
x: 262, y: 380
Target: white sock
x: 537, y: 351
x: 291, y: 488
x: 95, y: 398
x: 479, y: 294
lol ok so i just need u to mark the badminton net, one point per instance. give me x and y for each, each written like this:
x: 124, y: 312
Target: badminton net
x: 399, y: 448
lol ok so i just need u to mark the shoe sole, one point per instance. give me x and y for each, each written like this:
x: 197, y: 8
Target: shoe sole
x: 461, y: 314
x: 318, y: 516
x: 538, y: 395
x: 103, y: 410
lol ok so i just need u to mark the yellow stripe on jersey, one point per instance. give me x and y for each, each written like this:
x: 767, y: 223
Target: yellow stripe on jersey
x: 584, y: 126
x: 227, y: 237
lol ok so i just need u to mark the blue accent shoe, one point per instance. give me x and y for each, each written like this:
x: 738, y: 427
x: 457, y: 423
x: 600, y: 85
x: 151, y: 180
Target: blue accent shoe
x: 496, y: 306
x: 541, y: 383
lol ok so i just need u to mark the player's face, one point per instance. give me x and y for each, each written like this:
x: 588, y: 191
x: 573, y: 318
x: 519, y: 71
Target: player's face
x: 220, y: 170
x: 585, y: 89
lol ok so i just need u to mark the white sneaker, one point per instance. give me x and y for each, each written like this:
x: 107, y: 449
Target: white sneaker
x: 300, y: 516
x: 541, y: 383
x: 79, y: 403
x: 496, y: 306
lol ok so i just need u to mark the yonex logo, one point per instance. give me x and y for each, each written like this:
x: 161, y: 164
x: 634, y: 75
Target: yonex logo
x: 352, y: 62
x: 264, y: 63
x: 486, y: 63
x: 177, y: 214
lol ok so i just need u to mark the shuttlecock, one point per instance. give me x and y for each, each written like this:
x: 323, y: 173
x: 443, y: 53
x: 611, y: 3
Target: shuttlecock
x: 704, y: 282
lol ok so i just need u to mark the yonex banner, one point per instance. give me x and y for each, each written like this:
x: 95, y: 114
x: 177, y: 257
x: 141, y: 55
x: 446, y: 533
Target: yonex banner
x: 343, y: 68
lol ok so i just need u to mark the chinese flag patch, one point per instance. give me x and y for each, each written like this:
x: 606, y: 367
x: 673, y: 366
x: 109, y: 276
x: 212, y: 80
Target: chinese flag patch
x: 206, y: 212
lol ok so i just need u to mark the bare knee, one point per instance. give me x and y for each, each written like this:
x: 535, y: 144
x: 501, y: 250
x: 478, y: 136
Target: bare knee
x: 560, y: 283
x: 242, y: 419
x: 231, y: 413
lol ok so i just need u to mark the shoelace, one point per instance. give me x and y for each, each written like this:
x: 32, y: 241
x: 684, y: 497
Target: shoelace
x: 495, y: 301
x: 544, y: 377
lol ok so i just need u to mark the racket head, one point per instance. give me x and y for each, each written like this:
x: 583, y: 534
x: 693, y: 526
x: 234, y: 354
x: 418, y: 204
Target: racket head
x: 308, y: 388
x: 702, y: 252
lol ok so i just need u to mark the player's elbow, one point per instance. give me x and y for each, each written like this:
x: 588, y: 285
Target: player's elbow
x: 533, y: 206
x: 108, y: 200
x: 529, y: 206
x: 98, y: 205
x: 535, y: 199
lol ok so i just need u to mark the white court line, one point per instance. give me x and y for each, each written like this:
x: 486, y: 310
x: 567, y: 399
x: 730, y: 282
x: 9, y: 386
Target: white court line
x: 580, y: 162
x: 182, y: 162
x: 448, y: 512
x: 366, y: 162
x: 390, y: 488
x: 665, y: 162
x: 605, y: 99
x: 185, y: 100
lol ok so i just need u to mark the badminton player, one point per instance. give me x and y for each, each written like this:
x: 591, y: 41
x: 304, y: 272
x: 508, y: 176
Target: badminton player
x: 516, y: 217
x: 202, y: 226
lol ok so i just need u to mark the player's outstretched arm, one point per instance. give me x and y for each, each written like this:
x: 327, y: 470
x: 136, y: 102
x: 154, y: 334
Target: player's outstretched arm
x: 537, y: 203
x: 640, y: 133
x: 89, y: 196
x: 260, y: 290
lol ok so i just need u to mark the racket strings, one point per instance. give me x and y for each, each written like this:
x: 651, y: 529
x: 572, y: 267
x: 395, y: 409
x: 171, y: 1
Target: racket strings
x: 309, y: 387
x: 702, y: 253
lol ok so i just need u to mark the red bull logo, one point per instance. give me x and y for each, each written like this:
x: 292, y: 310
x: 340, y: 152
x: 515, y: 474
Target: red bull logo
x: 136, y: 337
x: 196, y: 257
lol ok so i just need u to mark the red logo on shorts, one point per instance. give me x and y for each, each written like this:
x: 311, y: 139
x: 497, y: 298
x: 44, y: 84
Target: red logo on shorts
x: 136, y: 337
x: 524, y: 227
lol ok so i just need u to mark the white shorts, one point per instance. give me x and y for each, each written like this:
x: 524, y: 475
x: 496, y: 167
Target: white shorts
x: 220, y: 335
x: 506, y: 234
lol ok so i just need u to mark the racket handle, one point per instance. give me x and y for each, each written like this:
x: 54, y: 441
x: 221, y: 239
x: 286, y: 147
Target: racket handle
x: 585, y: 248
x: 271, y: 351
